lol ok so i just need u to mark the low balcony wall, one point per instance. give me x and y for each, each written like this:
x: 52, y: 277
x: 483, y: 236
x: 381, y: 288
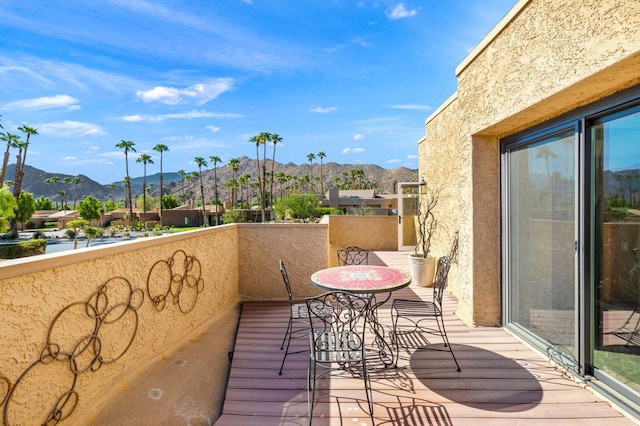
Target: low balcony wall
x: 369, y: 232
x: 77, y: 326
x: 72, y: 322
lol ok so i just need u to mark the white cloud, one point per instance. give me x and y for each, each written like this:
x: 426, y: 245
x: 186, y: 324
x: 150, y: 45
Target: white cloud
x: 70, y: 128
x: 321, y: 110
x: 412, y: 157
x: 395, y: 160
x: 200, y: 93
x: 45, y: 102
x: 357, y: 137
x: 178, y: 115
x: 132, y: 118
x: 353, y: 150
x: 214, y: 129
x: 399, y: 11
x: 412, y: 107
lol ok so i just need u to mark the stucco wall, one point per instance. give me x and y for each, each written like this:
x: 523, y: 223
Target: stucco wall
x: 368, y: 232
x: 50, y: 295
x: 303, y: 248
x: 545, y: 58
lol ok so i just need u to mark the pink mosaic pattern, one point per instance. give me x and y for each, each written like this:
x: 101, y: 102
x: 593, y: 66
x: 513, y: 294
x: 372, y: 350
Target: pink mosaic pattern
x: 361, y: 279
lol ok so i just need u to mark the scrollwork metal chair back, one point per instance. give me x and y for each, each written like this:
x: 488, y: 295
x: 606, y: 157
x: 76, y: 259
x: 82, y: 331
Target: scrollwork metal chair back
x: 338, y: 322
x: 298, y: 325
x: 353, y: 255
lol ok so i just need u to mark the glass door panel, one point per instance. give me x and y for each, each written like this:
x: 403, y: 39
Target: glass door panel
x: 541, y: 268
x: 616, y: 147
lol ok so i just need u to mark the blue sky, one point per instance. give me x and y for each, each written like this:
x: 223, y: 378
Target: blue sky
x: 353, y: 78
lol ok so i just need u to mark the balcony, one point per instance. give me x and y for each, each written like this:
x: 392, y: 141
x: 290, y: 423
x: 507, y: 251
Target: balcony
x: 186, y: 329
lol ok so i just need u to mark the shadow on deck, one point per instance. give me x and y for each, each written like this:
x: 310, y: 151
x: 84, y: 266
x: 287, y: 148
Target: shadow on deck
x: 502, y: 381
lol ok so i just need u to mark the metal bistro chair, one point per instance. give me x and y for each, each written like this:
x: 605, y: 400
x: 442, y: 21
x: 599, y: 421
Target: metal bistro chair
x: 353, y: 255
x: 298, y: 319
x: 338, y: 321
x: 416, y: 311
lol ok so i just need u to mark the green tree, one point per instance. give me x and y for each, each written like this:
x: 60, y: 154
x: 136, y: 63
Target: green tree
x: 26, y: 207
x: 44, y: 203
x: 51, y: 181
x: 12, y: 142
x: 28, y: 131
x: 111, y: 205
x: 275, y: 139
x: 144, y: 159
x: 7, y: 207
x: 297, y: 207
x: 182, y: 174
x: 234, y: 165
x: 311, y: 156
x: 169, y: 202
x: 76, y: 226
x: 160, y: 149
x: 201, y: 162
x: 216, y: 199
x: 127, y: 146
x: 321, y: 156
x: 92, y: 232
x: 75, y: 181
x: 89, y: 208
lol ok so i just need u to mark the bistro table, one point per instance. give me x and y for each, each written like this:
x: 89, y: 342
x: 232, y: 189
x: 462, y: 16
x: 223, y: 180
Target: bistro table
x: 366, y: 279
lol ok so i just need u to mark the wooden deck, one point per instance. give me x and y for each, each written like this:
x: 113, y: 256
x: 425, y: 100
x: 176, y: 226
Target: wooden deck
x: 502, y: 382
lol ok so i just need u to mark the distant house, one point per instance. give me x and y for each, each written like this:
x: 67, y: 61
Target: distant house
x: 357, y: 199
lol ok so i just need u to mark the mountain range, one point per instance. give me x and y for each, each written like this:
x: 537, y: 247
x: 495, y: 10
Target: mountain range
x: 34, y: 179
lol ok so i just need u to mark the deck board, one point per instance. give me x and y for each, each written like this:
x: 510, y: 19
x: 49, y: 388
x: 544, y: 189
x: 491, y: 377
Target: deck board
x: 502, y: 381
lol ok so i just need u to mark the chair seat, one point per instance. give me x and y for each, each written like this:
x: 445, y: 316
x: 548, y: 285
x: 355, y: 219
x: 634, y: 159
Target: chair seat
x: 299, y: 311
x: 415, y: 308
x: 337, y: 348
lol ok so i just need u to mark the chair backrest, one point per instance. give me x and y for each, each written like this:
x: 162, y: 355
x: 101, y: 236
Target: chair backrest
x: 453, y: 252
x: 353, y: 255
x: 287, y: 284
x: 339, y: 314
x: 442, y: 272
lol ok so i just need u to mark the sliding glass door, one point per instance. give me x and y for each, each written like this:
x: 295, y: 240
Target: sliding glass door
x: 541, y: 229
x: 616, y: 329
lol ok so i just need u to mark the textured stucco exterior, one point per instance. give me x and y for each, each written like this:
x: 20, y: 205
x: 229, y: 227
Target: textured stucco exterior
x: 369, y: 232
x: 545, y: 58
x: 210, y: 271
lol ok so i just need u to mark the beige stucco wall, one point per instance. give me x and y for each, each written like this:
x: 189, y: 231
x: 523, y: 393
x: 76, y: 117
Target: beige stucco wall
x: 35, y: 290
x: 545, y: 58
x: 233, y: 263
x: 369, y: 232
x: 303, y: 248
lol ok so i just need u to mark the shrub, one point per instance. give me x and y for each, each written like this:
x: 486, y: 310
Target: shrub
x: 234, y: 216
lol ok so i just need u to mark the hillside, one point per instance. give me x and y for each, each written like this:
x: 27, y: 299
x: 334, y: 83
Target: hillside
x: 34, y: 179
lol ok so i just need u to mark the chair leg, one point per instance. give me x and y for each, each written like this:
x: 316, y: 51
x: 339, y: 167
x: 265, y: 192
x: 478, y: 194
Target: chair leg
x: 287, y: 338
x: 446, y: 340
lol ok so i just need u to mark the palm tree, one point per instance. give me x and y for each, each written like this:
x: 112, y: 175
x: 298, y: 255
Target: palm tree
x: 144, y: 159
x: 200, y: 161
x: 63, y: 197
x: 275, y: 139
x: 311, y: 157
x: 111, y: 186
x: 182, y: 173
x: 321, y: 156
x: 76, y: 181
x: 12, y: 142
x: 50, y: 181
x: 234, y: 165
x: 160, y: 148
x: 29, y: 131
x: 215, y: 160
x: 128, y: 146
